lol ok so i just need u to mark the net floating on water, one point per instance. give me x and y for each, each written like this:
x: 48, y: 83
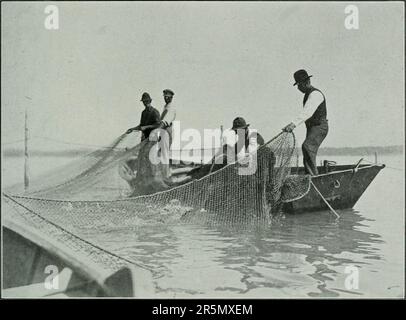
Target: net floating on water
x: 89, y: 193
x: 92, y: 186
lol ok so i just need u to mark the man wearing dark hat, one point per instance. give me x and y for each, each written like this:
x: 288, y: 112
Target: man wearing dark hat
x: 246, y: 141
x: 314, y: 115
x: 147, y: 176
x: 150, y: 118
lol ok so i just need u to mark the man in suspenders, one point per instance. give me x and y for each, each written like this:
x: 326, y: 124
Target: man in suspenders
x: 314, y: 115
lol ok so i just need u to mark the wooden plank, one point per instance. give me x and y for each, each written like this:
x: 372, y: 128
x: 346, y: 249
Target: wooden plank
x: 80, y: 264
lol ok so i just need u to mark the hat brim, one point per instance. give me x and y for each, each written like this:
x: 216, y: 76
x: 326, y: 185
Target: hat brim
x: 148, y: 100
x: 302, y: 80
x: 243, y: 127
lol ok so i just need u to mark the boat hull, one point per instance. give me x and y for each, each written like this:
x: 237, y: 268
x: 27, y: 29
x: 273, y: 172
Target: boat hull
x: 342, y: 188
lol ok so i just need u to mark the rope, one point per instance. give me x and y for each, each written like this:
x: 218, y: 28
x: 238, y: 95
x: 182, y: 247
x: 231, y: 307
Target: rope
x: 394, y: 168
x: 325, y: 201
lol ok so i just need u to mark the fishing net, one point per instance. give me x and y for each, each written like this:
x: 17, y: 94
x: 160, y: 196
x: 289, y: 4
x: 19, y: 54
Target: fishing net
x: 93, y: 186
x: 93, y: 195
x: 92, y: 189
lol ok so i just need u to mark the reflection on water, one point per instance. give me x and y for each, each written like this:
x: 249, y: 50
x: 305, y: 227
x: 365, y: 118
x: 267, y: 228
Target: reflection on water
x: 297, y: 255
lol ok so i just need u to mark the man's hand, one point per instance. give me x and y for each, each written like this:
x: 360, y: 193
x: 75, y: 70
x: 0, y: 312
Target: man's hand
x: 246, y: 160
x: 289, y: 127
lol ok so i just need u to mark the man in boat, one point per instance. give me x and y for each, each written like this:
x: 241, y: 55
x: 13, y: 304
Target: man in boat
x: 168, y: 116
x: 247, y: 140
x: 149, y: 176
x: 163, y: 129
x: 314, y: 115
x: 238, y: 147
x: 150, y: 118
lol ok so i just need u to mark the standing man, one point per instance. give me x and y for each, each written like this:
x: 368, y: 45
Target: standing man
x: 314, y: 114
x: 168, y: 116
x: 150, y: 118
x: 145, y: 178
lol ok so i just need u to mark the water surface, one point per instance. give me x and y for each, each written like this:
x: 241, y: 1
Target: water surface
x: 303, y: 255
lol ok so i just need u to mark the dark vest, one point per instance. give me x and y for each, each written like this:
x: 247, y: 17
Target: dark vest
x: 321, y: 112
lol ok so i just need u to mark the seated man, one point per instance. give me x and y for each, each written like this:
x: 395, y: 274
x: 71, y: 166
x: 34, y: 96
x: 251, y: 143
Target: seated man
x: 245, y: 142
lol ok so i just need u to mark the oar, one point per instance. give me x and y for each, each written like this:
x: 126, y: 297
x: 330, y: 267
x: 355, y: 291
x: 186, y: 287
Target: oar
x: 325, y: 201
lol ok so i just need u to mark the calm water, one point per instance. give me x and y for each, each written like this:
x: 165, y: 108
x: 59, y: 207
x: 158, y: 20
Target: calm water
x: 297, y: 256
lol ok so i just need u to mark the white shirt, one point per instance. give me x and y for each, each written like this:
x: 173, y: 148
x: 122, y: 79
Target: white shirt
x: 313, y: 101
x: 170, y: 114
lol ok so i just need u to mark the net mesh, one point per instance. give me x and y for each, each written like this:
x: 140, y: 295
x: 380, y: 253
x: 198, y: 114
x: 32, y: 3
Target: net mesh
x: 86, y: 189
x: 90, y: 194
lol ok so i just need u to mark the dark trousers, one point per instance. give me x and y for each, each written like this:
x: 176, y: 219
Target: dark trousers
x: 314, y: 137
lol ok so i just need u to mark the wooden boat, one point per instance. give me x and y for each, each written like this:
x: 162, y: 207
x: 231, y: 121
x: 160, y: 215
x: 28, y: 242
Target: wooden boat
x: 340, y: 185
x: 38, y: 266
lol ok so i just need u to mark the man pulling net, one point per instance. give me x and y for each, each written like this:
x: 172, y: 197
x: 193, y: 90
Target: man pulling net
x: 143, y: 174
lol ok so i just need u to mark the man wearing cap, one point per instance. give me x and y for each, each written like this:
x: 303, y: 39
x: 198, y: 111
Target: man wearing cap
x: 314, y: 115
x: 150, y: 118
x: 168, y: 116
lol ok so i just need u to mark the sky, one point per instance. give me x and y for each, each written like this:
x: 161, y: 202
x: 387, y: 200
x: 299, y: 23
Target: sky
x: 82, y: 83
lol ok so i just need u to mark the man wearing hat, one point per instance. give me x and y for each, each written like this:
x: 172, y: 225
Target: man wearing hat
x: 314, y: 115
x: 150, y: 118
x: 236, y: 147
x: 168, y: 116
x: 243, y: 142
x: 247, y: 140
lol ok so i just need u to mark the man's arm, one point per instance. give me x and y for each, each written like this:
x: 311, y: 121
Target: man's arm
x: 169, y: 117
x: 314, y: 100
x: 133, y: 129
x: 311, y: 105
x: 252, y: 142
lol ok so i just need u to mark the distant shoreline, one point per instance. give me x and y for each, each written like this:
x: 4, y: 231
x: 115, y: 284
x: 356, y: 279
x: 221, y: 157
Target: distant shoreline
x: 327, y: 151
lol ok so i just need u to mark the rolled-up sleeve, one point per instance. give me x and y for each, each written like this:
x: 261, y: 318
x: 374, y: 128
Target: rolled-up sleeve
x: 170, y: 116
